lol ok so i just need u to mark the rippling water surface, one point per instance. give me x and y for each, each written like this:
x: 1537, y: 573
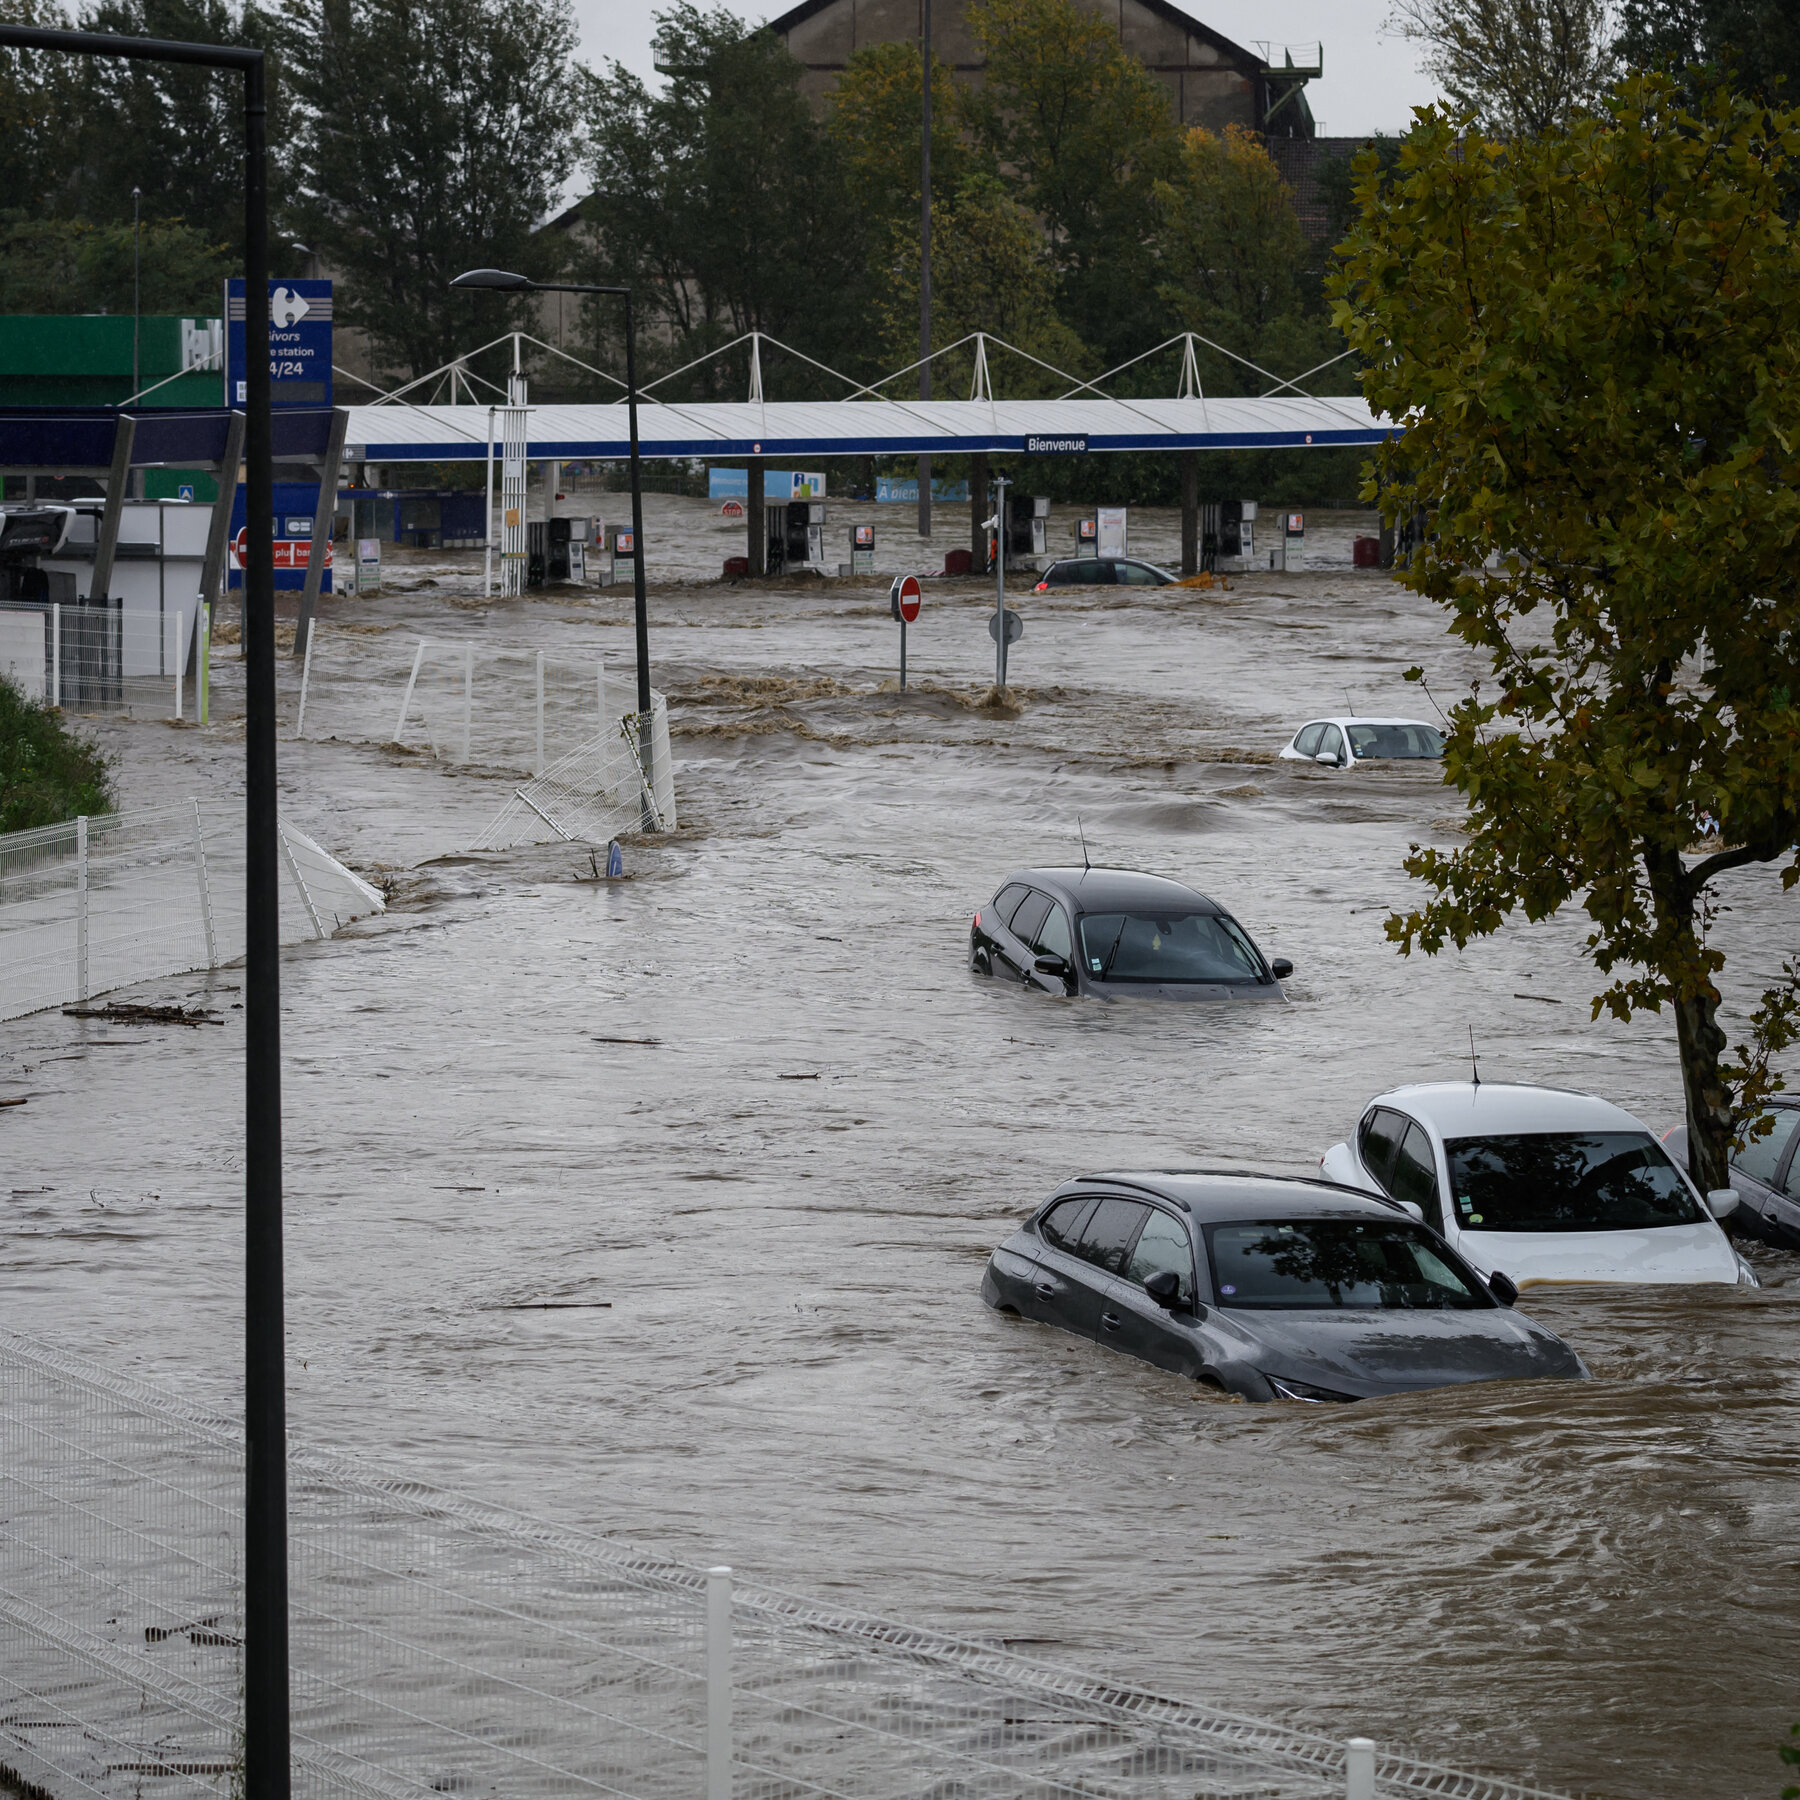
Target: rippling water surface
x: 751, y: 1100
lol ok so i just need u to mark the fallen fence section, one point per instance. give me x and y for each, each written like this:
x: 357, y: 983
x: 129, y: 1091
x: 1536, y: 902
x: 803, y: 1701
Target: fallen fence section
x: 98, y: 903
x: 596, y: 792
x: 488, y: 706
x: 443, y: 1646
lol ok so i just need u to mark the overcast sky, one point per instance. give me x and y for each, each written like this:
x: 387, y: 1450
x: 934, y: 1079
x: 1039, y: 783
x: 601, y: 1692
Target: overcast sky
x: 1371, y: 82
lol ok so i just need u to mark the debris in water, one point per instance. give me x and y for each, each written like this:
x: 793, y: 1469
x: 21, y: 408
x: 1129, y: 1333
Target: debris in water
x: 1542, y: 999
x: 649, y: 1043
x: 120, y: 1012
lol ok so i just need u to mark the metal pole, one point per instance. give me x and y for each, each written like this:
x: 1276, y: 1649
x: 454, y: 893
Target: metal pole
x: 180, y: 659
x: 468, y: 695
x: 646, y: 735
x: 718, y: 1684
x: 56, y: 653
x: 324, y: 517
x: 1359, y: 1769
x: 206, y: 916
x: 1000, y: 584
x: 137, y: 286
x: 81, y: 907
x: 539, y: 769
x: 305, y: 682
x: 925, y: 251
x: 406, y: 698
x: 487, y: 519
x: 903, y: 656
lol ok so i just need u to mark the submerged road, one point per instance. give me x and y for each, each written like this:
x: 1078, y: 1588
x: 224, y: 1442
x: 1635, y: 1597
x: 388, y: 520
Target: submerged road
x: 748, y: 1125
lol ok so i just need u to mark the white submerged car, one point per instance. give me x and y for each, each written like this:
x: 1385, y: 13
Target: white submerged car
x: 1343, y: 743
x: 1542, y: 1184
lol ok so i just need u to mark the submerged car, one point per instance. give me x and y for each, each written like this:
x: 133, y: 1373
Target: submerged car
x: 1266, y: 1286
x: 1545, y: 1183
x: 1103, y: 571
x: 1766, y: 1175
x: 1118, y: 934
x: 1343, y: 743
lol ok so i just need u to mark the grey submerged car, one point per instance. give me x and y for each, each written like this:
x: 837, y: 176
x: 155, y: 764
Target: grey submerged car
x: 1268, y: 1287
x: 1118, y: 934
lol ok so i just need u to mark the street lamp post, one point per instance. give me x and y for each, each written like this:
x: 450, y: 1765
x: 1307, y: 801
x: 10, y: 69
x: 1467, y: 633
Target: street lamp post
x: 265, y: 1665
x: 506, y: 282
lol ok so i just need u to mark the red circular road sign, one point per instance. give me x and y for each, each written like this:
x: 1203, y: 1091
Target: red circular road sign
x: 909, y: 598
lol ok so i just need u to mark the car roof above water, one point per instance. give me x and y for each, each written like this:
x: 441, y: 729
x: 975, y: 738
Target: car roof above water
x: 1469, y: 1109
x: 1211, y: 1195
x: 1114, y: 890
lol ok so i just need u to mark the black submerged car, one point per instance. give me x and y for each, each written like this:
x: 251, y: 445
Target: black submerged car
x: 1266, y: 1286
x: 1117, y: 934
x: 1766, y: 1174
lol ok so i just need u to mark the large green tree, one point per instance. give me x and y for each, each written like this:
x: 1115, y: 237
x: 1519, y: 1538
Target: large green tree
x: 1752, y: 45
x: 722, y: 199
x: 69, y: 265
x: 1592, y: 340
x: 431, y: 136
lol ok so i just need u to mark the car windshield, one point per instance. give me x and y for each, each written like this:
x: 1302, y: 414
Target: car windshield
x: 1566, y: 1181
x: 1369, y: 742
x: 1147, y: 946
x: 1371, y: 1265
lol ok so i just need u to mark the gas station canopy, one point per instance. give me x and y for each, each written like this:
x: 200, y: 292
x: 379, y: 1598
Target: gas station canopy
x: 403, y: 432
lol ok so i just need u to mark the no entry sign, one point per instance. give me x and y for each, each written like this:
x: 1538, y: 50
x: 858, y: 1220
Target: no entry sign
x: 287, y: 553
x: 906, y: 599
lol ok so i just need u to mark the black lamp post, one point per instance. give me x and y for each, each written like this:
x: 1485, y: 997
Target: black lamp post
x: 266, y: 1775
x: 507, y: 282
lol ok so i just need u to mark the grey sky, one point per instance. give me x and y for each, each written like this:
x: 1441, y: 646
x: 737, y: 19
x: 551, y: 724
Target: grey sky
x: 1371, y: 82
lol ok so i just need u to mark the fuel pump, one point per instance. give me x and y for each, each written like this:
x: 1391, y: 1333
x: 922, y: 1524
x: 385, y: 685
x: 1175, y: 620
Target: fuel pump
x: 1027, y: 516
x: 862, y: 549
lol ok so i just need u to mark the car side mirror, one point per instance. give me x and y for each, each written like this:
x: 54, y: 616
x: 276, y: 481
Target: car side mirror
x: 1052, y: 965
x: 1503, y: 1288
x: 1328, y: 758
x: 1722, y: 1202
x: 1412, y: 1209
x: 1164, y: 1287
x: 1281, y: 968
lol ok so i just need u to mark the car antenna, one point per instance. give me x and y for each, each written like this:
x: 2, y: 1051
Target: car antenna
x: 1348, y: 701
x: 1474, y: 1066
x: 1085, y: 864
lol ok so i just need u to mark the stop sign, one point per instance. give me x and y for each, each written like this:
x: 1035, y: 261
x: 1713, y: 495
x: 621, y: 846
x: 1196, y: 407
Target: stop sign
x: 908, y: 598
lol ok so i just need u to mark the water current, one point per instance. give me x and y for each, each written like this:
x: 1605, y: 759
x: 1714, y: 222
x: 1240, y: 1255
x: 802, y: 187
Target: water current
x: 747, y: 1120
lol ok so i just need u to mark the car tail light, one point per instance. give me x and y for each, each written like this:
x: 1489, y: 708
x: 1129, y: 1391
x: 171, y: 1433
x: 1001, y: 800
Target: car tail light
x: 1041, y: 587
x: 977, y: 925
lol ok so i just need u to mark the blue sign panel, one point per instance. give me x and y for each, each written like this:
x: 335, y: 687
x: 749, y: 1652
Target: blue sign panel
x: 299, y: 343
x: 294, y: 504
x: 1057, y: 446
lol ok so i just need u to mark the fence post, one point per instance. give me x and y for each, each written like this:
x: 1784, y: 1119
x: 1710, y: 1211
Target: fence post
x: 718, y: 1684
x: 81, y: 907
x: 468, y: 694
x: 305, y: 677
x: 293, y: 869
x: 56, y: 653
x: 204, y: 698
x: 1359, y: 1769
x: 206, y: 918
x: 180, y: 658
x: 540, y: 713
x: 406, y: 698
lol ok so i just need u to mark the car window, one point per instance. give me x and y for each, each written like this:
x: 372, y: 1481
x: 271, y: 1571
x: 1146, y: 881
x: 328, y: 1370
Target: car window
x: 1062, y: 1223
x: 1053, y: 937
x: 1006, y: 902
x: 1332, y: 743
x: 1566, y: 1181
x: 1030, y: 916
x: 1415, y: 1173
x: 1136, y: 574
x: 1379, y: 1139
x: 1107, y: 1235
x: 1316, y: 1264
x: 1167, y: 947
x: 1086, y: 571
x: 1162, y: 1244
x: 1307, y: 743
x: 1417, y: 741
x: 1761, y: 1158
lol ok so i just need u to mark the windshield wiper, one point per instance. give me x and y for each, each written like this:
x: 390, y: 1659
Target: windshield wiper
x: 1106, y: 967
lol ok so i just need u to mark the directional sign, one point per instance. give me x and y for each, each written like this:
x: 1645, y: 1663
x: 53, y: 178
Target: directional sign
x: 1015, y: 627
x: 907, y: 598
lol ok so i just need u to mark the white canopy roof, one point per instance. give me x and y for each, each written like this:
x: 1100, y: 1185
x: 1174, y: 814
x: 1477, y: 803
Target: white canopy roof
x: 804, y: 429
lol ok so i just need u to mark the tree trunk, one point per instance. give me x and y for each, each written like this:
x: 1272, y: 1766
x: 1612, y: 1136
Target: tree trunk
x: 1701, y: 1044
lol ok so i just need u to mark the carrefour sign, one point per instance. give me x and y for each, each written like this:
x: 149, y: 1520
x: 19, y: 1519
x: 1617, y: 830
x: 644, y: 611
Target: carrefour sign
x: 299, y: 343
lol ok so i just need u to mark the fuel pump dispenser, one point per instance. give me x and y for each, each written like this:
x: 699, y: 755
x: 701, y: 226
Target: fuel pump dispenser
x: 622, y: 545
x: 1231, y: 526
x: 862, y: 549
x: 796, y: 534
x: 1293, y: 540
x: 1027, y: 518
x: 1087, y: 536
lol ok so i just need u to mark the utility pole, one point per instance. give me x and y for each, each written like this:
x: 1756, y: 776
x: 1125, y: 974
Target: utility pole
x: 925, y: 256
x: 137, y: 286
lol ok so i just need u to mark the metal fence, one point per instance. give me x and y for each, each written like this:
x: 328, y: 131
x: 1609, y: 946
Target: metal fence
x: 445, y: 1646
x: 98, y: 903
x: 100, y: 656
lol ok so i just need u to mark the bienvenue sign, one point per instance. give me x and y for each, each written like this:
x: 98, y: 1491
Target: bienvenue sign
x: 1056, y: 446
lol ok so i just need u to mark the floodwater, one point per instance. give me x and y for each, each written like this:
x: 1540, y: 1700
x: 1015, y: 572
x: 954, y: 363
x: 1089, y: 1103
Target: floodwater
x: 748, y: 1121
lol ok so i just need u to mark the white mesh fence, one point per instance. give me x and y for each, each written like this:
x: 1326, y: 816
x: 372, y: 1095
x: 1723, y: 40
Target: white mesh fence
x: 598, y: 791
x: 104, y: 658
x: 444, y: 1646
x: 98, y: 903
x: 485, y: 705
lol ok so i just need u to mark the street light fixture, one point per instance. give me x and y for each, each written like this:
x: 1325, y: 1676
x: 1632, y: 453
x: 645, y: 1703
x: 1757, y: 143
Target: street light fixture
x: 504, y: 281
x: 266, y: 1774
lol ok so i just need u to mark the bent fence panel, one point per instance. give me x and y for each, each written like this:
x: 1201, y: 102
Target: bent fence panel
x: 441, y: 1645
x: 98, y: 903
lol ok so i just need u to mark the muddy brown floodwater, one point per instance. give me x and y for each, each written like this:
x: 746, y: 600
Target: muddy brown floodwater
x: 751, y: 1098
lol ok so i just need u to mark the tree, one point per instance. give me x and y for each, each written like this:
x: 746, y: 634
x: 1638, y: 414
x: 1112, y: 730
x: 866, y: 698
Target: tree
x: 48, y: 773
x: 70, y: 266
x: 1520, y: 67
x: 1594, y: 342
x: 1752, y: 45
x: 722, y: 198
x: 39, y: 111
x: 874, y: 123
x: 433, y: 136
x: 1086, y: 131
